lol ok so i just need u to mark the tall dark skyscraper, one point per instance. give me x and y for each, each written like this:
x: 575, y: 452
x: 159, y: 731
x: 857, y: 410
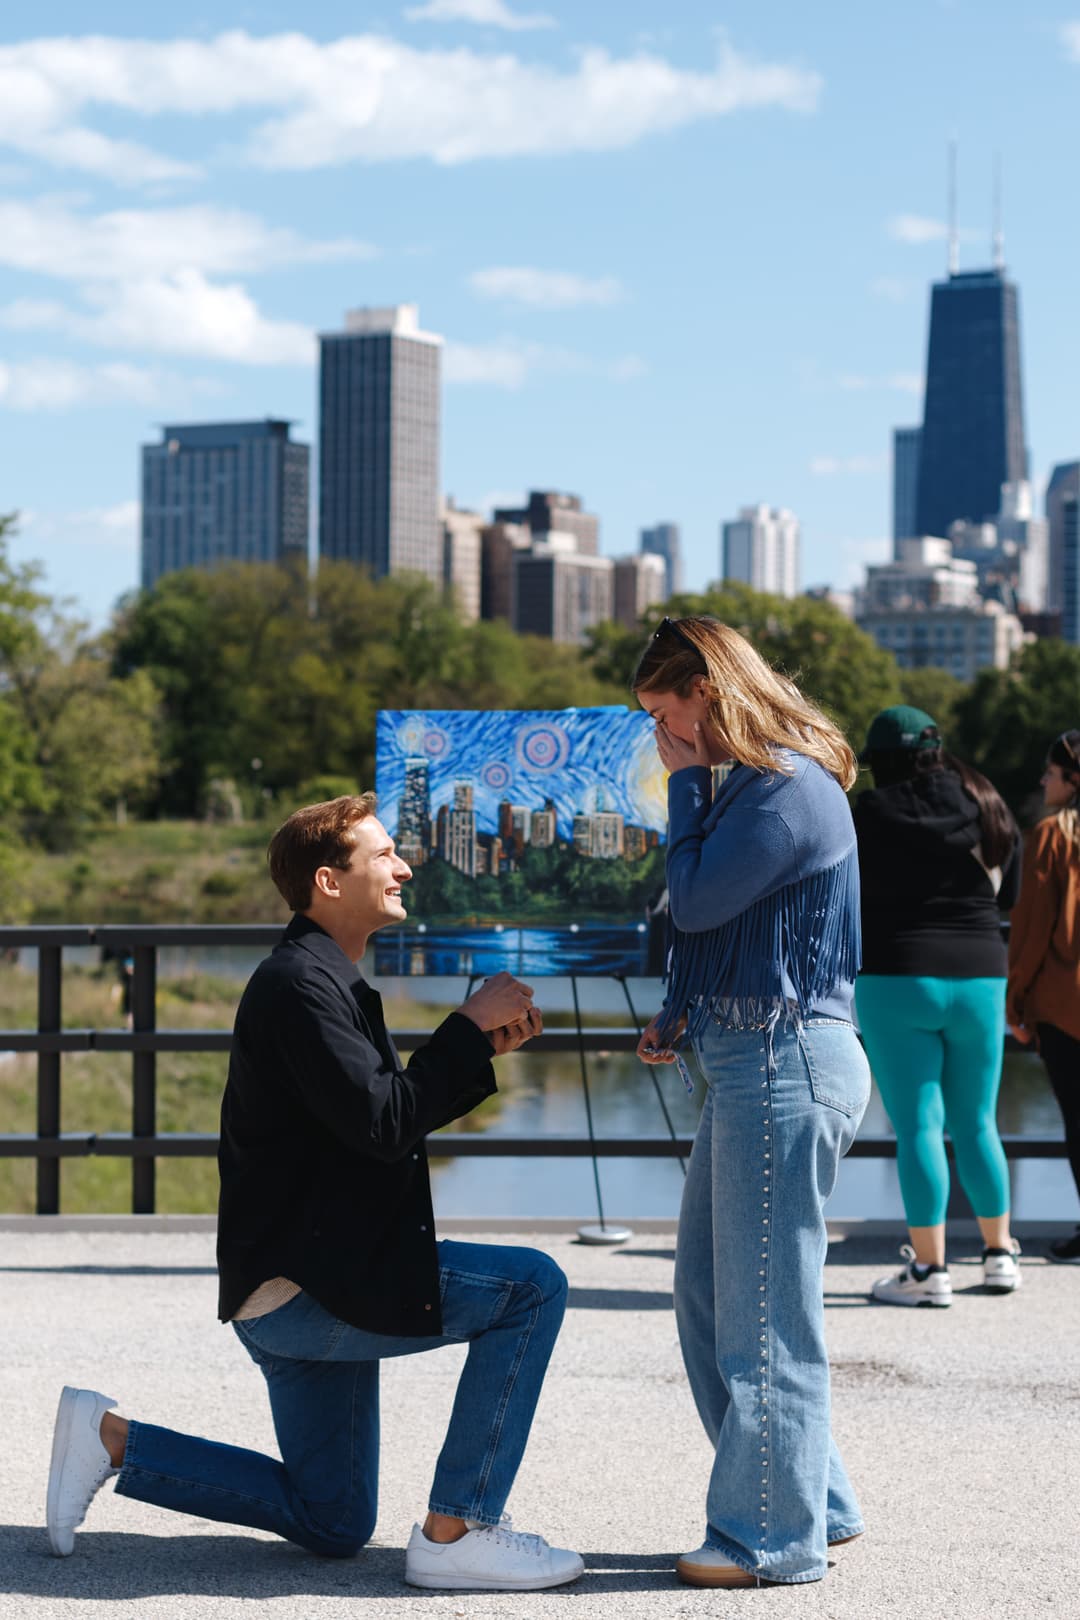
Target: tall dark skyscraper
x: 906, y: 443
x: 379, y: 443
x: 1063, y: 489
x: 1070, y: 569
x: 215, y: 492
x: 973, y: 420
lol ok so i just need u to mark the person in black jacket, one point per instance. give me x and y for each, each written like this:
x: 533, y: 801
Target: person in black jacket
x: 939, y: 862
x: 327, y: 1254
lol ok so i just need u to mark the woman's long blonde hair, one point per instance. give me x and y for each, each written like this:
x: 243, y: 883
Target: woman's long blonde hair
x: 751, y: 709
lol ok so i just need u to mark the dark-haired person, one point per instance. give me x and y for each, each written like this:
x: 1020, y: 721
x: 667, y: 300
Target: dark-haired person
x: 327, y: 1255
x: 1044, y: 949
x: 763, y: 886
x: 939, y: 855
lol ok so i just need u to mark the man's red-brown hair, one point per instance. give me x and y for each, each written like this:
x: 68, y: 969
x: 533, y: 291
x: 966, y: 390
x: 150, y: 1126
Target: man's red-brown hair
x: 318, y: 835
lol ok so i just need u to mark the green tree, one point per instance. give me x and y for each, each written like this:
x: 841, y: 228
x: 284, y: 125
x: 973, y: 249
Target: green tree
x: 836, y: 664
x: 172, y: 633
x: 1009, y: 717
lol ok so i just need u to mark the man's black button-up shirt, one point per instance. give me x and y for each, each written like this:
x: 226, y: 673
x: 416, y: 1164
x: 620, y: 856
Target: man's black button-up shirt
x: 324, y: 1175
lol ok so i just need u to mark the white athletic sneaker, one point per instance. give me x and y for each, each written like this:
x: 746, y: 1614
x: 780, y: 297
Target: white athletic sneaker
x: 80, y: 1464
x: 1001, y: 1274
x: 906, y: 1287
x: 489, y: 1558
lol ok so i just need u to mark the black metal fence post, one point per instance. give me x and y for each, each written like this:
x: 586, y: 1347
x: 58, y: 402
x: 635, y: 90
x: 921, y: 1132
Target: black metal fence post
x: 144, y: 1077
x: 50, y: 969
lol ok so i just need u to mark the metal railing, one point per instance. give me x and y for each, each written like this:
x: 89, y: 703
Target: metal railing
x: 48, y: 1145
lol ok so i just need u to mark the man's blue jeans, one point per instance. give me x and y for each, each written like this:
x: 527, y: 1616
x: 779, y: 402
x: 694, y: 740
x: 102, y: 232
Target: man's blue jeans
x: 323, y: 1380
x: 781, y: 1108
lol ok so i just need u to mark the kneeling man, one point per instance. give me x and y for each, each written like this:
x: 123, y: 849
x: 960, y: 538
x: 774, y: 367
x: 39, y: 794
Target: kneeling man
x: 327, y: 1254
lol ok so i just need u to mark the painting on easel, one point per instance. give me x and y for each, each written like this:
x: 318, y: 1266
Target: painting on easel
x: 536, y: 840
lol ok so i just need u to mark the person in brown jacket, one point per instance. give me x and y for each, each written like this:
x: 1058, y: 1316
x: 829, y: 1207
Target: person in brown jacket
x: 1043, y: 999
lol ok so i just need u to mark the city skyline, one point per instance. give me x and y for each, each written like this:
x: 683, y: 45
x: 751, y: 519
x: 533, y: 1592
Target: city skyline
x: 558, y: 759
x: 172, y: 267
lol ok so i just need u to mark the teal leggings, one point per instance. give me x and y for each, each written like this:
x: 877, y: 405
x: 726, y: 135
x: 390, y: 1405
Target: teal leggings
x: 935, y: 1048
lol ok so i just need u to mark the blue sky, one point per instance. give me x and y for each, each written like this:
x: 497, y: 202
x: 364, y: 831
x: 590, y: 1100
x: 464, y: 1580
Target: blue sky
x: 680, y: 255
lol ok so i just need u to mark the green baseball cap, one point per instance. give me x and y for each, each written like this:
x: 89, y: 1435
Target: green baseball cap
x: 900, y: 727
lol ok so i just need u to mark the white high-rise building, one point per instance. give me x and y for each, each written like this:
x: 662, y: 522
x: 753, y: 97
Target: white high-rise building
x: 760, y: 548
x: 926, y: 610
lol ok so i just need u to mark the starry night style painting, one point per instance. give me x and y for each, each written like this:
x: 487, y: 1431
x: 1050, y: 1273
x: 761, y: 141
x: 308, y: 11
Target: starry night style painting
x: 535, y: 838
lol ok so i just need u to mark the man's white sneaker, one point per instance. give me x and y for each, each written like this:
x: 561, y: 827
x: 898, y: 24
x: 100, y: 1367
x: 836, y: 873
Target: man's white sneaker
x: 914, y: 1285
x: 1001, y: 1274
x: 80, y: 1464
x: 489, y: 1558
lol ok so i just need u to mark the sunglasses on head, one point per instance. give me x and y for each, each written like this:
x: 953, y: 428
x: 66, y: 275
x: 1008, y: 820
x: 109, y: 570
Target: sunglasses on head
x: 668, y: 627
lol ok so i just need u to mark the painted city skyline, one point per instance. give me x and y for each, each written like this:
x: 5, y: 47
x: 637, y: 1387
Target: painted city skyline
x: 535, y: 839
x: 571, y: 762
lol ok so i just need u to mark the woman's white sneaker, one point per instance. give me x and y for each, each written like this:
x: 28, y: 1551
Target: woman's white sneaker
x: 489, y: 1558
x: 79, y: 1467
x: 1001, y: 1274
x: 915, y: 1284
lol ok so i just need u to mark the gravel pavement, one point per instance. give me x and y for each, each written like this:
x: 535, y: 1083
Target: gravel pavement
x: 960, y: 1428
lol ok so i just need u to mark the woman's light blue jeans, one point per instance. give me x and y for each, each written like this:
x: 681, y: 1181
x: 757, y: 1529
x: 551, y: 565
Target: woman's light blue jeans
x: 782, y: 1106
x: 323, y: 1380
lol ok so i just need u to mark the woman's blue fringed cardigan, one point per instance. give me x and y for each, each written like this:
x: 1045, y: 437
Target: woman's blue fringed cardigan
x: 763, y: 890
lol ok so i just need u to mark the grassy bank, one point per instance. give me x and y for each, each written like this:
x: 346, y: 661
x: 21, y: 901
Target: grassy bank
x: 156, y: 872
x: 96, y: 1086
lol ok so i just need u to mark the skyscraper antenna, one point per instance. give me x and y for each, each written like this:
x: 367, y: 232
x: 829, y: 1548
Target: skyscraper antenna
x: 999, y: 229
x: 954, y: 235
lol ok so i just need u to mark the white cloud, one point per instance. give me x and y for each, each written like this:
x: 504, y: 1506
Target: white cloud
x: 116, y: 527
x: 49, y: 384
x: 492, y: 498
x: 510, y: 363
x: 918, y: 229
x: 362, y: 98
x: 904, y: 382
x: 493, y: 13
x: 831, y: 466
x: 544, y: 289
x: 1070, y: 38
x: 50, y: 236
x: 182, y: 313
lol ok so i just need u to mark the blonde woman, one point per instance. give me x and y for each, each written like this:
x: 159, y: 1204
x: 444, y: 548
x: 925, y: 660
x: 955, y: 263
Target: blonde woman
x: 763, y: 883
x: 1043, y: 998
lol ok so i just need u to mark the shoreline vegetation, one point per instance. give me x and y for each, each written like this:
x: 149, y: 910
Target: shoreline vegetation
x: 96, y: 1090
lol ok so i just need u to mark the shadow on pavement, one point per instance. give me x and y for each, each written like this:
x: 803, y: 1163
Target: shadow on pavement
x: 108, y: 1565
x: 619, y: 1299
x: 120, y: 1271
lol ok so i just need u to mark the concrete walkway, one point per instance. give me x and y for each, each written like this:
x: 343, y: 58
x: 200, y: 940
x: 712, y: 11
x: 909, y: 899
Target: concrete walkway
x: 961, y: 1429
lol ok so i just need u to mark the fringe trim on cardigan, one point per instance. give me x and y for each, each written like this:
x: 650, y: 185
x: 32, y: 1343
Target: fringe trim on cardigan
x: 805, y: 938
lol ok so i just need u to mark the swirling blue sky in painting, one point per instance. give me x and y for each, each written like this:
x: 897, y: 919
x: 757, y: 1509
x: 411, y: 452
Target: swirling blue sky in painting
x: 581, y: 759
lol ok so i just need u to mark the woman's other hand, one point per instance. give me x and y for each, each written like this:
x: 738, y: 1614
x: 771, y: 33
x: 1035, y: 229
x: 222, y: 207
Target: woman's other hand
x: 648, y: 1048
